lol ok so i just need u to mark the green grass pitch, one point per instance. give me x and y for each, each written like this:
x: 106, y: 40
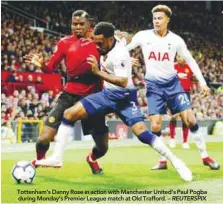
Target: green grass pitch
x: 124, y: 168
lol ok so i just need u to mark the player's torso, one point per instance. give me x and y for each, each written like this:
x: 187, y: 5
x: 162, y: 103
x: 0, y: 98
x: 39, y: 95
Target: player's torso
x: 76, y: 53
x: 159, y: 54
x: 81, y: 80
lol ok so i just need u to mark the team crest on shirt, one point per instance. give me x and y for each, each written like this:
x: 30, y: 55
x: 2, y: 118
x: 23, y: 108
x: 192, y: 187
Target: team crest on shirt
x: 186, y: 70
x: 51, y: 119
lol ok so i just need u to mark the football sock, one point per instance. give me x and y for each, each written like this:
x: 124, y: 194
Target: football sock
x: 162, y: 159
x: 41, y: 149
x: 172, y: 127
x: 185, y: 133
x: 64, y: 132
x: 147, y: 137
x: 199, y: 140
x: 157, y: 144
x: 163, y: 150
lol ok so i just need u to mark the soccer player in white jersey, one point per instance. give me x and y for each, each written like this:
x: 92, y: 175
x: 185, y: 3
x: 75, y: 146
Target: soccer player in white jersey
x: 118, y: 95
x: 159, y: 47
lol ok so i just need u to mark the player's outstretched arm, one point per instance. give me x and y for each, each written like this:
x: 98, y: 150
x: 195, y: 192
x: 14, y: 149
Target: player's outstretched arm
x: 119, y: 81
x: 184, y: 52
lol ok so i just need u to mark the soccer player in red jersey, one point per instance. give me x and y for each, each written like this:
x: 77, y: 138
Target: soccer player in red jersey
x: 185, y: 76
x: 74, y: 49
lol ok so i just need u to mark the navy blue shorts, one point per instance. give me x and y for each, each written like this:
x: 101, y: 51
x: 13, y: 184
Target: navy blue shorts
x: 123, y: 103
x: 170, y: 94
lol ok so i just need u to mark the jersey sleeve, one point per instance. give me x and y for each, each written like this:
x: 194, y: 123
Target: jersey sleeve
x: 56, y: 58
x: 135, y: 42
x: 122, y: 65
x: 184, y: 52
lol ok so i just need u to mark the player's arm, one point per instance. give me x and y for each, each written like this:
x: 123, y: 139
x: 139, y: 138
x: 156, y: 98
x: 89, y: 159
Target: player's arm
x: 116, y: 80
x: 184, y: 52
x: 135, y: 41
x: 53, y: 62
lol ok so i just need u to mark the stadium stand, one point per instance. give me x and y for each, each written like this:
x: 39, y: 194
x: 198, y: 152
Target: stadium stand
x: 25, y: 87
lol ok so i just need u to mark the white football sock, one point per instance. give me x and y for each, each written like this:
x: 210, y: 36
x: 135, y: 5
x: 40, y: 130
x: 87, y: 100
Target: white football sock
x: 200, y: 143
x: 63, y: 134
x: 163, y: 150
x: 161, y: 158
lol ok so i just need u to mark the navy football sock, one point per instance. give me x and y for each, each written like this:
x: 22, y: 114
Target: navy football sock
x: 67, y: 122
x: 147, y: 137
x: 194, y: 128
x: 157, y: 133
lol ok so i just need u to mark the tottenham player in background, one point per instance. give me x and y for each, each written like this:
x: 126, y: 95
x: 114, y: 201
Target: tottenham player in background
x: 119, y: 96
x: 159, y: 47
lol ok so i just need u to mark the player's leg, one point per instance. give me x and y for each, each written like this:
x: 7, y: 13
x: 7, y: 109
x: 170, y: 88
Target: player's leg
x: 51, y: 125
x: 156, y: 108
x: 71, y: 115
x: 185, y: 129
x: 178, y: 102
x: 189, y: 119
x: 132, y: 117
x: 95, y: 125
x: 172, y: 127
x: 81, y: 110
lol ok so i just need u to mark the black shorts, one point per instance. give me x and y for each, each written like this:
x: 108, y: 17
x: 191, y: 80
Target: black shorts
x: 94, y: 124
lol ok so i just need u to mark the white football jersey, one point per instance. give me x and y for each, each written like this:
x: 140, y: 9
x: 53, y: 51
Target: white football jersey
x: 159, y: 54
x: 117, y: 62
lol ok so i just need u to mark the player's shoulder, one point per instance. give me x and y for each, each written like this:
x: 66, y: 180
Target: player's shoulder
x: 68, y: 38
x: 145, y: 32
x: 119, y: 51
x: 175, y: 36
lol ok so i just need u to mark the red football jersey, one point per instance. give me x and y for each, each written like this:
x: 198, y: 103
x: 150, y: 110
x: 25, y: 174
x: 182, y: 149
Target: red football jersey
x: 185, y: 75
x: 74, y: 51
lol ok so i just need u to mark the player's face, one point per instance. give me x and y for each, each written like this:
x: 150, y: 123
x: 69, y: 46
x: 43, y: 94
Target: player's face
x: 160, y: 21
x: 180, y: 60
x: 103, y: 44
x: 79, y: 26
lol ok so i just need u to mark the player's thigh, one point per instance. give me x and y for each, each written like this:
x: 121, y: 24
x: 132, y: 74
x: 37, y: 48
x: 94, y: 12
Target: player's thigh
x: 96, y: 105
x: 75, y: 112
x: 55, y: 116
x: 178, y: 103
x: 156, y: 103
x: 177, y: 99
x: 129, y: 112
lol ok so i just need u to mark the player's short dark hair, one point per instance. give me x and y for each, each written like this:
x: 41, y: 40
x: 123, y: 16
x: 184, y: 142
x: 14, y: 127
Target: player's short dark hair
x: 104, y: 28
x: 80, y: 13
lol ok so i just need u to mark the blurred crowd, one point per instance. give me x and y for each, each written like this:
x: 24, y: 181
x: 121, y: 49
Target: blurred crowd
x: 200, y: 29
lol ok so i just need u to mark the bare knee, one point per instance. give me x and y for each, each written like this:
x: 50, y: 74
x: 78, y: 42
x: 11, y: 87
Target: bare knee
x: 138, y: 128
x: 188, y: 118
x: 156, y: 126
x: 48, y: 134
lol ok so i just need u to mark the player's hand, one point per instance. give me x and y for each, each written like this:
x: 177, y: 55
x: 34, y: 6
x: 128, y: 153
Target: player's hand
x: 35, y: 59
x: 94, y: 64
x: 205, y: 90
x: 135, y: 62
